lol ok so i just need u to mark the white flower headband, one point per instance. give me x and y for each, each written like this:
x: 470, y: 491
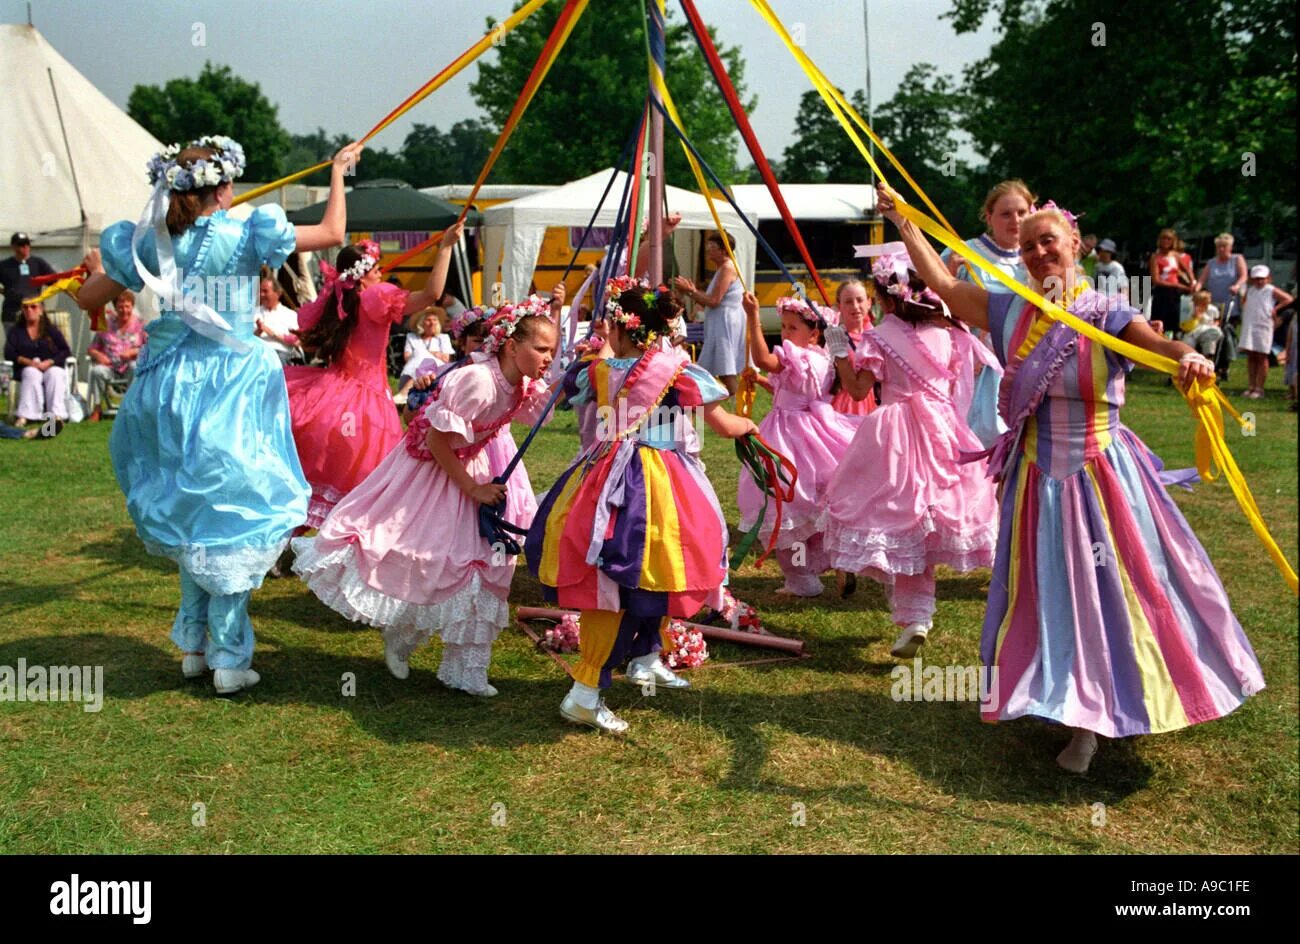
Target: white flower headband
x: 227, y: 165
x: 503, y: 323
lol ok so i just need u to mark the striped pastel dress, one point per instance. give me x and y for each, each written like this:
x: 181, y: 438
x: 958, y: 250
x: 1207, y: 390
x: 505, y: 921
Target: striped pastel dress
x: 1104, y: 612
x: 634, y: 523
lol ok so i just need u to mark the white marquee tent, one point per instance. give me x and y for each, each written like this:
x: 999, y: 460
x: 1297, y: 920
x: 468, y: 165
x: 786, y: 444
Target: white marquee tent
x: 513, y: 231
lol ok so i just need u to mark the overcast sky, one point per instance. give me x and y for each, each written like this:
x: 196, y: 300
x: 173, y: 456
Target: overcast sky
x: 300, y: 52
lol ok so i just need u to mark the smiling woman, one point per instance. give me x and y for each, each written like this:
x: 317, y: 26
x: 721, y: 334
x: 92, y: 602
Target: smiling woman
x: 1105, y: 613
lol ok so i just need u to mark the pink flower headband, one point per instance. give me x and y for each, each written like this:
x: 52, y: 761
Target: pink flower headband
x: 894, y: 271
x: 505, y: 320
x: 614, y: 290
x: 816, y: 315
x: 462, y: 322
x: 1051, y: 205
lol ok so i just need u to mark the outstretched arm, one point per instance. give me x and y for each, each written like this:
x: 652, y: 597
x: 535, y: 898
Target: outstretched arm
x: 968, y: 301
x: 332, y: 228
x: 437, y: 280
x: 764, y: 359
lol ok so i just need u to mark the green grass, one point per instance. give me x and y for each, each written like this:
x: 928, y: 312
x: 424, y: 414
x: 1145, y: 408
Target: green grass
x: 294, y: 766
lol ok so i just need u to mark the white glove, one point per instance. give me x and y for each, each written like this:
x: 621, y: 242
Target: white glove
x: 837, y: 342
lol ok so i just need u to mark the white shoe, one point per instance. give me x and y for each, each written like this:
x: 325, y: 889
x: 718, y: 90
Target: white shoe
x: 910, y: 640
x: 662, y: 676
x: 193, y: 664
x: 485, y: 690
x: 1078, y: 754
x: 396, y: 664
x: 600, y: 717
x: 229, y: 681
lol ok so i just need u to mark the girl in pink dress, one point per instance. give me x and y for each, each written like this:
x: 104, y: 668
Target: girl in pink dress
x: 344, y: 420
x: 804, y: 426
x: 855, y: 310
x: 403, y: 551
x: 902, y: 502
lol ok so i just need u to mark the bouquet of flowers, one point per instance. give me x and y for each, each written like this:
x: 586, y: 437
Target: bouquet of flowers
x: 563, y: 636
x: 691, y: 649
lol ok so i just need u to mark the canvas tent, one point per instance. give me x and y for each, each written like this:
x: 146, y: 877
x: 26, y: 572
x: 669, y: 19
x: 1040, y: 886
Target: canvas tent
x: 63, y: 190
x: 513, y: 231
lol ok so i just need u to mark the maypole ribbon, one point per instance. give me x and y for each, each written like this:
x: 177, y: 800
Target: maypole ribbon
x: 844, y: 112
x: 768, y: 468
x: 738, y: 115
x: 1206, y: 400
x: 546, y: 58
x: 493, y: 37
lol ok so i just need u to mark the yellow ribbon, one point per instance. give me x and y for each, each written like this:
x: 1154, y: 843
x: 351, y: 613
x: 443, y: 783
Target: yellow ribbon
x: 1205, y: 399
x: 437, y: 82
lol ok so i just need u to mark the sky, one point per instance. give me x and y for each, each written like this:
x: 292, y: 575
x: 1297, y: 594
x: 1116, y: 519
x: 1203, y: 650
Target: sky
x: 297, y: 51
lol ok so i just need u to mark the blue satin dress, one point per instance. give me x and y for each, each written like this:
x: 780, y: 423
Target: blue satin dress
x: 202, y: 446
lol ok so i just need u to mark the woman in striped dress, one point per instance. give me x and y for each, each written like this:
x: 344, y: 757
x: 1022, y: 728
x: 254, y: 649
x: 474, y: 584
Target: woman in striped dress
x: 1105, y: 613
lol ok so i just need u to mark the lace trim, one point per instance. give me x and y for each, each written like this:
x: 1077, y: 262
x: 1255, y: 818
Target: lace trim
x: 223, y: 571
x: 471, y: 616
x: 859, y: 549
x: 793, y: 529
x: 323, y: 500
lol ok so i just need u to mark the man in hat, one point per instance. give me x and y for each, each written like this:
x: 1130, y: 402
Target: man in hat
x: 16, y: 276
x: 1109, y: 277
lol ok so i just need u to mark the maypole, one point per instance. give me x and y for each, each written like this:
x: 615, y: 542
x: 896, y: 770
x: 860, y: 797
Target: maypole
x: 655, y: 163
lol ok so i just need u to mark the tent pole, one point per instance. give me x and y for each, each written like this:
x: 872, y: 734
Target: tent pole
x: 76, y: 186
x: 656, y: 160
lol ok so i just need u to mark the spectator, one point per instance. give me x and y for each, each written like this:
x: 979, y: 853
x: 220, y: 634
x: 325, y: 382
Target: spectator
x: 39, y: 351
x: 452, y: 305
x: 425, y: 342
x: 723, y: 352
x: 1224, y: 276
x: 1258, y: 310
x: 13, y: 432
x: 1109, y: 276
x: 1202, y: 330
x: 1171, y: 278
x: 16, y: 275
x: 114, y: 351
x: 276, y: 323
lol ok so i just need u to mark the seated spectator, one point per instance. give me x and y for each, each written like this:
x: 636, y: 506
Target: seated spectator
x: 114, y: 351
x: 276, y: 323
x: 38, y: 351
x: 426, y: 341
x: 1201, y: 330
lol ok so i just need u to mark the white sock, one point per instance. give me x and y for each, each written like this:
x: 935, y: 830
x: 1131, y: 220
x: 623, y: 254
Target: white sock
x: 585, y: 695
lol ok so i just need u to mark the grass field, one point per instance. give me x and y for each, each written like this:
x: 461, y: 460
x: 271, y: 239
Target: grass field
x: 795, y: 756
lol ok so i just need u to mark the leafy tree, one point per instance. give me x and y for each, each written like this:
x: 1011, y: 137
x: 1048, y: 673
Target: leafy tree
x: 587, y: 105
x: 821, y: 151
x: 217, y: 102
x: 1141, y: 121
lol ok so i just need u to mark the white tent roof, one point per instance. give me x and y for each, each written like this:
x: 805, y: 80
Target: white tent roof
x: 810, y: 201
x: 108, y: 150
x: 513, y: 231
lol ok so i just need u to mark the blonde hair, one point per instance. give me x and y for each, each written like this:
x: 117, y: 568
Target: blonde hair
x: 1224, y: 238
x: 1202, y: 297
x: 1172, y: 234
x: 416, y: 322
x: 1013, y: 186
x: 851, y: 280
x: 1063, y: 225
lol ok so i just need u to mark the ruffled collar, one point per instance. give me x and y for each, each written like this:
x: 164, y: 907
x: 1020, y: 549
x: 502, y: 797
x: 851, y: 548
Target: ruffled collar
x: 997, y: 250
x: 214, y: 215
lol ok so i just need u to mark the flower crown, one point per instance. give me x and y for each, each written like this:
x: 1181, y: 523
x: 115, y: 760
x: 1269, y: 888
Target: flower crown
x: 370, y: 253
x: 819, y: 316
x: 228, y: 164
x: 894, y: 271
x: 462, y: 322
x: 503, y: 323
x: 631, y: 322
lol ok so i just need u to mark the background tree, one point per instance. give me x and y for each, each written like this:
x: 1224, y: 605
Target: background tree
x: 586, y: 108
x: 820, y: 151
x: 1141, y: 121
x: 217, y: 102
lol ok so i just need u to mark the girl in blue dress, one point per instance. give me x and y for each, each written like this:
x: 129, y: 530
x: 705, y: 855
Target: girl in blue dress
x: 202, y: 445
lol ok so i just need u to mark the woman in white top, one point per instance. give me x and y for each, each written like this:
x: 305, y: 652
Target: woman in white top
x: 426, y: 340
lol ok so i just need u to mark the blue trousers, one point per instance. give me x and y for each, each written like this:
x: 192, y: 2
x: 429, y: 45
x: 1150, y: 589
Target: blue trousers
x: 216, y: 625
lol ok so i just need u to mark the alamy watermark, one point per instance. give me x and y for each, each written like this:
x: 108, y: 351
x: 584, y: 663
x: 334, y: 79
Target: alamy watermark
x: 83, y: 683
x: 612, y: 422
x: 920, y: 682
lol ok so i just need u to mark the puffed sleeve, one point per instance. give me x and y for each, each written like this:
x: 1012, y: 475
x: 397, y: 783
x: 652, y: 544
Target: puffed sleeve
x: 577, y: 381
x: 467, y: 394
x: 868, y: 356
x: 384, y: 303
x: 273, y: 236
x: 115, y: 250
x: 695, y: 386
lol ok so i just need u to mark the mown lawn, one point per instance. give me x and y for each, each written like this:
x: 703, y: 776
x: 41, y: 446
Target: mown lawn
x: 793, y: 756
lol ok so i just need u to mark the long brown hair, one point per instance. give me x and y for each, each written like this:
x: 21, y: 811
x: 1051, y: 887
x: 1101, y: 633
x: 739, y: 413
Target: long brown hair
x: 329, y: 336
x: 185, y: 206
